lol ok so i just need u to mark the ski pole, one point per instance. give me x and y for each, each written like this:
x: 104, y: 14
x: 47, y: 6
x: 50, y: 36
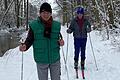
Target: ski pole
x: 93, y: 52
x: 67, y: 44
x: 65, y: 63
x: 67, y: 47
x: 65, y: 60
x: 22, y: 63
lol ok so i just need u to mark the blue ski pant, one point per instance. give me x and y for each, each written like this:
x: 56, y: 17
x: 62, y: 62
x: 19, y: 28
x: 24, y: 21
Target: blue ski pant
x: 80, y: 47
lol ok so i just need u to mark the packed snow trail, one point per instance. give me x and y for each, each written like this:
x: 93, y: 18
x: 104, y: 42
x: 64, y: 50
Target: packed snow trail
x: 107, y: 58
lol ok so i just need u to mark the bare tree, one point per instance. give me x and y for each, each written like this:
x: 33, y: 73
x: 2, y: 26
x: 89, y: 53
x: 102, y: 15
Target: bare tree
x: 5, y: 4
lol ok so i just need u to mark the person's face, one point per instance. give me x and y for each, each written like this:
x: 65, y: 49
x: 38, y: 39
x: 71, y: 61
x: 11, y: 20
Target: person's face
x: 80, y: 16
x: 45, y: 15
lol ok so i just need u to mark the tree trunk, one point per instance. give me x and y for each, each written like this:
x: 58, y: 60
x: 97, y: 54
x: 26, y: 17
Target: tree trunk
x: 17, y: 14
x: 21, y: 10
x: 64, y: 12
x: 5, y: 4
x: 24, y: 8
x: 27, y: 15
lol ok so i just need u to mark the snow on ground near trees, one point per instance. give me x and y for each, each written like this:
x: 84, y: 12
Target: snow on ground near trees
x: 107, y: 58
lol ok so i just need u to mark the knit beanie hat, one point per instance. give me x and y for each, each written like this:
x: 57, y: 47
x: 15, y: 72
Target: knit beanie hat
x: 45, y: 7
x: 80, y: 10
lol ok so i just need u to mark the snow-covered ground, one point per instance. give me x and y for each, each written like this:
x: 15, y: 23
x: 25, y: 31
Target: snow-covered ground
x: 107, y: 58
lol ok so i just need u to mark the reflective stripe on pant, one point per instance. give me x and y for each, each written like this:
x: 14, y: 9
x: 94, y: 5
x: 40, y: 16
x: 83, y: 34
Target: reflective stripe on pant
x: 55, y: 71
x: 80, y: 47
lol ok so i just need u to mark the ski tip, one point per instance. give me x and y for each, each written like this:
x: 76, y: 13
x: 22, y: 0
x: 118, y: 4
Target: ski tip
x: 83, y: 77
x: 77, y: 77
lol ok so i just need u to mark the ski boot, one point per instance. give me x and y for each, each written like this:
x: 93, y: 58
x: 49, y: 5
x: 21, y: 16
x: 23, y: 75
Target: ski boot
x: 76, y: 65
x: 82, y: 64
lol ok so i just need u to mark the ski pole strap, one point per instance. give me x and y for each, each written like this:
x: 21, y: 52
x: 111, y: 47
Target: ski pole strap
x: 61, y: 37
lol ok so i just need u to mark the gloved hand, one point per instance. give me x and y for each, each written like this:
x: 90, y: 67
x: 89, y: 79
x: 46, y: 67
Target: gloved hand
x: 61, y: 42
x: 69, y: 31
x: 22, y: 47
x: 88, y: 30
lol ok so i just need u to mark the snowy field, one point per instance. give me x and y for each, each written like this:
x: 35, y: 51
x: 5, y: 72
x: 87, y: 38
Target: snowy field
x: 107, y: 58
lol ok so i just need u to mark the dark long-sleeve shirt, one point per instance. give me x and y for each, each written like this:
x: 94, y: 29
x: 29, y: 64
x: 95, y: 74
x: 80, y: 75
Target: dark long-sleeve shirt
x: 29, y: 40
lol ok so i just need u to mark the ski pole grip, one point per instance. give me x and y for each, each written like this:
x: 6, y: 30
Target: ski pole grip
x: 22, y: 42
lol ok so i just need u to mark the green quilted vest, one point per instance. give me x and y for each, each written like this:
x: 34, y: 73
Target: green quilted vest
x: 45, y: 50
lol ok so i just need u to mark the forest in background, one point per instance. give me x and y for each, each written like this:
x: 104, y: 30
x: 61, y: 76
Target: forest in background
x: 101, y: 13
x: 104, y: 15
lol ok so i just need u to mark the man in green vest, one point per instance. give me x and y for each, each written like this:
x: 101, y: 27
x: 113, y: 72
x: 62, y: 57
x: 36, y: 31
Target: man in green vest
x: 44, y: 35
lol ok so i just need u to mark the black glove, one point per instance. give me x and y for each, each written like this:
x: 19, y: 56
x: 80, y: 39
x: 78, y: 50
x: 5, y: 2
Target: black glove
x: 69, y: 31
